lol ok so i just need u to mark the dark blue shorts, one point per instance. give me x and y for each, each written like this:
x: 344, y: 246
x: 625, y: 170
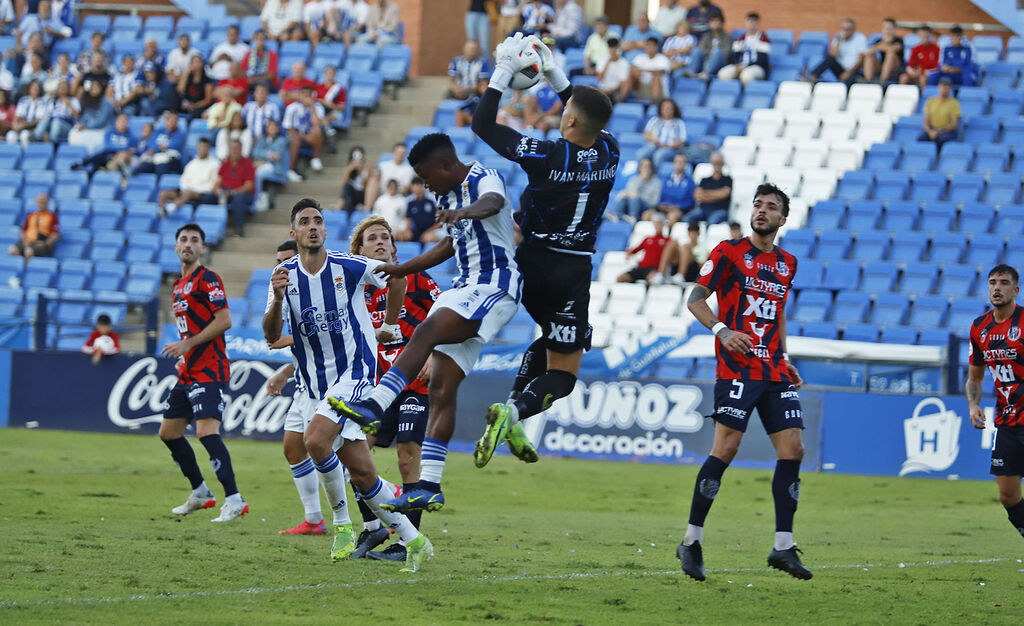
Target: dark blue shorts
x: 405, y: 420
x: 777, y: 403
x: 1008, y: 453
x: 196, y: 401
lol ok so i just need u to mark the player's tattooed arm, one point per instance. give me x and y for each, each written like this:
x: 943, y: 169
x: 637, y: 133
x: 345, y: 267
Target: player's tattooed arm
x: 972, y: 388
x: 731, y: 340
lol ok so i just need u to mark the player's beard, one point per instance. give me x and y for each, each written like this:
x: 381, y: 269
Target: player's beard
x: 765, y: 231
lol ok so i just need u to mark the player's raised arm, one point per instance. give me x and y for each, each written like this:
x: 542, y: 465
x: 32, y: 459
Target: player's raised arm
x: 441, y: 252
x: 506, y: 64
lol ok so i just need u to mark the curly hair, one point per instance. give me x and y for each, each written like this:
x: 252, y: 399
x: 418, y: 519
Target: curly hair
x: 357, y: 235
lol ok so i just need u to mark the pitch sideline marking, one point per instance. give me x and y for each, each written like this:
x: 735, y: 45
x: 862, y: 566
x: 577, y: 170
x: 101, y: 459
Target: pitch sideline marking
x: 10, y: 604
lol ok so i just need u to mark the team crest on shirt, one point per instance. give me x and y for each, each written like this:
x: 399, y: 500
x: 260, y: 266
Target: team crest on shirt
x: 339, y: 284
x: 782, y: 268
x: 748, y: 261
x: 1013, y: 334
x: 188, y: 287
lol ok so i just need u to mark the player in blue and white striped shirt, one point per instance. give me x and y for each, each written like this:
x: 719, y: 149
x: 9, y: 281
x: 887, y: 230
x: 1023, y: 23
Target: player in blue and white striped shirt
x: 477, y: 218
x: 321, y: 292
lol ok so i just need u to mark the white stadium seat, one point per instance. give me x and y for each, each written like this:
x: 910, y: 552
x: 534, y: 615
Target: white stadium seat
x: 801, y: 125
x: 900, y: 100
x: 873, y: 128
x: 598, y: 297
x: 864, y: 98
x: 786, y: 178
x: 845, y: 155
x: 809, y: 153
x: 704, y: 170
x: 626, y: 299
x: 838, y: 125
x: 828, y: 97
x: 765, y: 123
x: 613, y: 264
x: 663, y: 301
x: 818, y: 184
x: 792, y: 96
x: 773, y: 153
x: 737, y: 151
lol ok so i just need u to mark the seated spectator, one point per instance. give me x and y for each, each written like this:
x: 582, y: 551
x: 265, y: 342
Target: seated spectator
x: 179, y: 60
x: 332, y: 96
x: 85, y: 61
x: 713, y: 195
x: 14, y: 59
x: 567, y: 27
x: 96, y: 116
x: 941, y: 115
x: 595, y: 50
x: 713, y: 49
x: 103, y: 341
x: 6, y: 112
x: 735, y: 231
x: 153, y: 94
x: 8, y: 81
x: 634, y: 40
x: 141, y: 152
x: 355, y: 179
x: 39, y: 232
x: 613, y: 72
x: 648, y: 74
x: 195, y: 89
x: 197, y: 184
x: 259, y: 111
x: 643, y: 190
x: 668, y: 17
x: 542, y: 108
x: 163, y: 149
x: 303, y: 121
x: 924, y: 59
x: 464, y: 114
x: 220, y: 113
x: 291, y: 87
x: 116, y: 153
x: 665, y: 134
x: 314, y: 20
x: 397, y: 169
x: 956, y: 61
x: 8, y: 17
x: 33, y: 70
x: 346, y: 19
x: 151, y: 54
x: 420, y: 214
x: 845, y: 54
x: 31, y: 110
x: 749, y: 60
x: 677, y: 191
x: 678, y: 48
x: 699, y: 16
x: 227, y: 52
x: 680, y: 262
x: 237, y: 83
x: 260, y: 63
x: 270, y: 158
x: 234, y: 131
x: 60, y: 116
x: 465, y: 70
x: 43, y: 22
x: 61, y: 72
x: 391, y: 206
x: 282, y: 19
x: 236, y: 182
x: 884, y: 60
x: 652, y: 247
x: 535, y: 15
x: 127, y: 88
x: 381, y: 24
x: 96, y: 74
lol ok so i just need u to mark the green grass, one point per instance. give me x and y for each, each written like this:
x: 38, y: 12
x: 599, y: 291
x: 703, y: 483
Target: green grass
x: 86, y: 535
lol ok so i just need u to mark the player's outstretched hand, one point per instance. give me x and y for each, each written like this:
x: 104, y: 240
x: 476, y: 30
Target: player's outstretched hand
x: 794, y: 375
x: 389, y: 271
x: 177, y: 349
x: 733, y: 341
x: 276, y: 383
x: 448, y: 216
x: 506, y: 54
x: 977, y: 416
x: 279, y: 281
x: 547, y: 60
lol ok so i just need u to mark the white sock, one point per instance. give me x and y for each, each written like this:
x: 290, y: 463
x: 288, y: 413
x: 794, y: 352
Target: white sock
x: 395, y: 521
x: 201, y: 491
x: 307, y: 483
x: 432, y: 460
x: 333, y: 475
x: 235, y: 498
x: 784, y: 541
x: 693, y: 533
x: 371, y: 525
x: 513, y: 417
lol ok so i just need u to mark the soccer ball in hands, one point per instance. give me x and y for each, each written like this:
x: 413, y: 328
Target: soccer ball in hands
x: 531, y: 73
x: 104, y: 344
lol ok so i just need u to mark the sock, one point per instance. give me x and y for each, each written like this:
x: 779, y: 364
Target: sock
x: 705, y: 488
x: 395, y: 521
x: 693, y: 533
x: 784, y: 541
x: 432, y: 460
x: 414, y: 516
x: 333, y: 476
x: 542, y: 391
x: 535, y: 363
x: 1016, y: 515
x: 391, y: 384
x: 306, y: 482
x: 202, y: 490
x: 370, y: 521
x: 185, y: 457
x: 786, y: 491
x: 220, y: 460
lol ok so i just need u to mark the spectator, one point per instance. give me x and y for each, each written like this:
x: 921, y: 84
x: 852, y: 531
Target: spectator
x: 845, y: 54
x: 924, y: 59
x: 884, y: 60
x: 677, y: 191
x: 96, y: 116
x: 281, y: 19
x: 652, y: 246
x: 397, y: 169
x: 96, y: 74
x: 355, y: 177
x: 103, y: 341
x: 345, y: 20
x: 8, y: 17
x: 8, y: 81
x: 291, y: 87
x: 127, y: 88
x: 314, y: 20
x: 635, y: 39
x: 391, y: 206
x: 153, y: 94
x: 699, y: 16
x: 6, y: 112
x: 236, y: 130
x: 67, y: 12
x: 44, y: 23
x: 542, y: 108
x: 163, y: 149
x: 678, y: 48
x: 226, y: 54
x: 237, y: 83
x: 941, y: 115
x: 478, y: 24
x: 643, y: 190
x: 270, y: 158
x: 220, y: 113
x: 61, y: 72
x: 735, y: 231
x: 665, y: 134
x: 420, y: 214
x: 197, y: 184
x: 60, y: 117
x: 141, y: 153
x: 464, y: 114
x: 236, y: 182
x: 15, y: 58
x: 118, y: 148
x: 509, y: 17
x: 33, y: 70
x: 613, y: 71
x: 668, y: 17
x: 332, y: 97
x: 749, y: 60
x: 28, y: 114
x: 713, y: 49
x: 302, y: 119
x: 151, y: 54
x: 260, y: 63
x: 681, y: 262
x: 179, y: 60
x: 956, y: 61
x: 39, y: 232
x: 195, y: 89
x: 536, y: 15
x: 713, y: 195
x: 260, y: 111
x: 465, y: 70
x: 567, y: 27
x: 595, y: 50
x: 85, y: 61
x: 381, y: 24
x: 648, y: 75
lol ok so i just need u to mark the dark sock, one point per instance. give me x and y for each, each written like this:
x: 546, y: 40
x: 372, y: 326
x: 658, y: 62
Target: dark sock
x: 544, y: 390
x: 365, y: 511
x: 429, y: 486
x: 185, y: 457
x: 414, y: 516
x: 1016, y: 514
x: 786, y: 491
x: 535, y: 363
x: 221, y: 462
x: 709, y: 479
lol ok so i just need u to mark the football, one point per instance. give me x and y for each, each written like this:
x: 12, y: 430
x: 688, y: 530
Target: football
x: 105, y: 344
x: 530, y: 75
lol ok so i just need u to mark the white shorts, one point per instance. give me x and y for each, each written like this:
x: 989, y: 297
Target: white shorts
x: 300, y: 413
x: 491, y: 305
x: 350, y: 390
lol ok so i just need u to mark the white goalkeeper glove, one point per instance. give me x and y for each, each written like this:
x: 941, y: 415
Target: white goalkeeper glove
x: 507, y: 62
x: 552, y: 73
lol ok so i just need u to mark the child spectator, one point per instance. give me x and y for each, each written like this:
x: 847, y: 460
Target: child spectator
x: 420, y: 212
x: 749, y: 60
x: 677, y: 191
x: 924, y: 59
x: 681, y: 261
x: 103, y: 341
x: 391, y: 206
x: 956, y: 61
x: 652, y: 247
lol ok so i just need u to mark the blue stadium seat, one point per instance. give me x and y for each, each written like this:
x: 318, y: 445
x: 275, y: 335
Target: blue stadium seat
x: 899, y: 335
x: 963, y: 311
x: 841, y: 274
x: 809, y: 274
x: 723, y: 94
x: 10, y: 267
x: 812, y: 44
x: 39, y: 272
x: 879, y: 276
x: 948, y: 247
x: 985, y: 250
x: 395, y: 60
x: 799, y: 243
x: 987, y: 48
x: 937, y: 217
x: 128, y: 23
x: 820, y: 330
x: 366, y: 89
x: 365, y: 54
x: 966, y: 187
x: 861, y: 332
x: 1002, y: 188
x: 870, y: 245
x: 827, y: 215
x: 1010, y: 220
x: 890, y: 308
x: 782, y: 37
x: 1006, y: 103
x: 900, y: 216
x: 37, y: 156
x: 851, y: 306
x: 977, y: 218
x: 928, y: 186
x: 613, y: 236
x: 918, y: 156
x: 999, y: 76
x: 688, y: 92
x: 732, y: 122
x: 882, y: 157
x: 956, y: 280
x: 72, y: 312
x: 974, y: 101
x: 855, y: 185
x: 891, y: 185
x: 981, y: 130
x: 758, y: 94
x: 907, y: 128
x: 928, y: 311
x: 862, y: 215
x: 919, y: 278
x: 788, y: 67
x: 93, y: 23
x: 833, y: 244
x: 933, y: 337
x: 956, y: 158
x: 1013, y: 134
x: 991, y: 158
x: 812, y: 305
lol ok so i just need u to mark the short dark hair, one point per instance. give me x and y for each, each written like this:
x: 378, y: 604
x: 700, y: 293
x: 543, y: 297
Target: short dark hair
x: 765, y: 189
x: 416, y: 180
x: 613, y: 42
x: 103, y: 318
x: 288, y: 245
x: 753, y: 16
x: 1003, y: 268
x: 956, y: 30
x: 301, y: 205
x: 693, y: 227
x: 891, y: 20
x: 431, y: 146
x: 205, y: 140
x: 734, y: 225
x: 193, y: 227
x: 925, y: 27
x: 653, y: 40
x: 594, y: 104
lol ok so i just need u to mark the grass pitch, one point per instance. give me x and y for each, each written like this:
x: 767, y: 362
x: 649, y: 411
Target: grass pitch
x: 87, y: 536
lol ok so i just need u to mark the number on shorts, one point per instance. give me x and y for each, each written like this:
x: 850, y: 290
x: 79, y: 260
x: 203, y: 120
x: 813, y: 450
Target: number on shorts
x: 737, y: 391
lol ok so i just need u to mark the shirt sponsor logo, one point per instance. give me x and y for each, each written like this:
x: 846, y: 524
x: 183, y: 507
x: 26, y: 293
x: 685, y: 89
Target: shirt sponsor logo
x: 587, y: 156
x: 708, y: 266
x: 562, y: 334
x: 327, y: 322
x: 1000, y: 354
x: 732, y: 411
x: 765, y: 286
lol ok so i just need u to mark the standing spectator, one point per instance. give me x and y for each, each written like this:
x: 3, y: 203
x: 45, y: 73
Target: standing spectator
x: 260, y: 111
x: 220, y: 113
x: 509, y: 18
x: 749, y: 60
x: 567, y: 28
x: 924, y: 59
x: 464, y: 114
x: 643, y: 190
x: 163, y: 149
x: 6, y: 112
x: 678, y: 48
x: 649, y: 74
x: 195, y: 89
x: 260, y: 63
x: 465, y: 70
x: 43, y: 22
x: 39, y: 232
x: 302, y: 119
x: 699, y: 16
x: 941, y: 115
x: 652, y: 246
x: 198, y: 181
x: 236, y: 182
x: 291, y: 87
x: 227, y: 53
x: 237, y: 83
x: 956, y: 61
x: 30, y: 111
x: 681, y: 262
x: 713, y: 195
x: 281, y: 19
x: 391, y: 206
x: 713, y: 49
x: 669, y: 14
x: 635, y: 39
x: 381, y: 23
x: 234, y: 131
x: 118, y: 148
x: 613, y: 71
x: 355, y: 179
x: 845, y: 54
x: 314, y: 20
x: 103, y: 341
x: 60, y: 117
x: 61, y: 72
x: 536, y: 15
x: 478, y: 24
x: 595, y: 50
x: 127, y: 88
x: 884, y: 60
x: 270, y: 157
x: 677, y: 191
x: 96, y: 116
x: 179, y: 60
x: 665, y: 134
x: 420, y: 215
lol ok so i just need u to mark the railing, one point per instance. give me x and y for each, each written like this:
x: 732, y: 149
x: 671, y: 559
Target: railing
x: 151, y: 326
